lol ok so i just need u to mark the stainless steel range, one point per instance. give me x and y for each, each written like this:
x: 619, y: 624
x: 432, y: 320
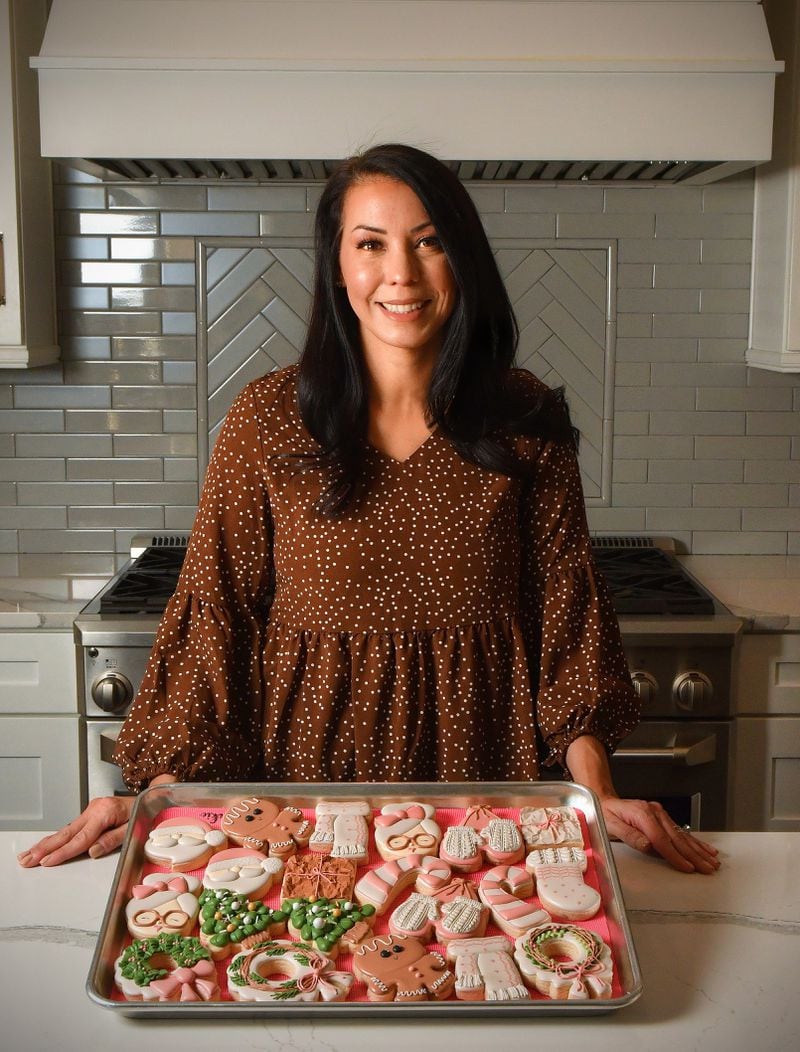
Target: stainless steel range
x: 678, y: 638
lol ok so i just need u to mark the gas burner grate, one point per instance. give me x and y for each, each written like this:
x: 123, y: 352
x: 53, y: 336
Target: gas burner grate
x: 148, y: 583
x: 648, y: 581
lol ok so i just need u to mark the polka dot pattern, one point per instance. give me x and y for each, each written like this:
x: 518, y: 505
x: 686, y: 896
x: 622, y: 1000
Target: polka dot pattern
x: 452, y: 628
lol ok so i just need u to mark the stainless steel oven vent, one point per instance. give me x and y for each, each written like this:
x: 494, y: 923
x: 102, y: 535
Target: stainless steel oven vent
x: 251, y: 171
x: 611, y: 540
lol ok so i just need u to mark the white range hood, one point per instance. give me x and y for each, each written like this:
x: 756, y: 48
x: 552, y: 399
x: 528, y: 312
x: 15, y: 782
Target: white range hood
x: 513, y: 89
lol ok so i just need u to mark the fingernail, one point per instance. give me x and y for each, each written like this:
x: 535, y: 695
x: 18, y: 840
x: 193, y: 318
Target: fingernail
x: 95, y: 851
x: 642, y: 845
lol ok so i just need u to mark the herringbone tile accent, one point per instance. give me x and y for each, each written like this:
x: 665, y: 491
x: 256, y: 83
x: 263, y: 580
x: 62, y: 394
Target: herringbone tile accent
x: 256, y: 302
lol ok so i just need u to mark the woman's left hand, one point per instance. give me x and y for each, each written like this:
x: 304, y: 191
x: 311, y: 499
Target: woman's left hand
x: 648, y: 828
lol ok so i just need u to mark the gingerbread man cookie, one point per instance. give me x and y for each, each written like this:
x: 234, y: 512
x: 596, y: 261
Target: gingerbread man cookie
x: 400, y: 968
x: 263, y: 825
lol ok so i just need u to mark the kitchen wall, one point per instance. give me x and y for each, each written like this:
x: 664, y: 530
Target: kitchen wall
x: 104, y: 444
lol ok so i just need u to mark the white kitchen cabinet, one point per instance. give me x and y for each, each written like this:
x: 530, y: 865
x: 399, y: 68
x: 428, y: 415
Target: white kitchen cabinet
x: 27, y: 257
x: 774, y: 341
x: 766, y: 788
x: 40, y: 748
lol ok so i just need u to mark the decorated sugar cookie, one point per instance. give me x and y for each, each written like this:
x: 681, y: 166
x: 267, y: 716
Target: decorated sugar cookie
x: 407, y: 829
x: 485, y: 970
x: 380, y: 887
x: 399, y: 968
x: 565, y: 962
x: 163, y: 903
x: 560, y: 884
x: 166, y: 968
x: 263, y: 825
x: 318, y: 876
x: 227, y: 919
x: 504, y: 890
x: 279, y: 970
x: 452, y: 912
x: 481, y: 832
x: 331, y: 925
x: 342, y: 829
x: 183, y: 843
x: 244, y: 871
x: 550, y: 827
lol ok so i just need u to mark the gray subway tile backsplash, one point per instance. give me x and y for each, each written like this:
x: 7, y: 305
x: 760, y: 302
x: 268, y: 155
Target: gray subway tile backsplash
x: 104, y: 443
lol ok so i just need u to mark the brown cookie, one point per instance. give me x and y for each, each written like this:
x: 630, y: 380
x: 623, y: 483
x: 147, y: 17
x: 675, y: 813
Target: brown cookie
x: 400, y: 968
x: 316, y: 877
x: 263, y: 825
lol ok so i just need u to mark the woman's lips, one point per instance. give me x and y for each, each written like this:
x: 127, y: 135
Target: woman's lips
x: 403, y: 310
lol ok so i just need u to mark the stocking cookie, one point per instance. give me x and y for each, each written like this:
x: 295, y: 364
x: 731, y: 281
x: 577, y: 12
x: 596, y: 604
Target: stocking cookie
x: 550, y: 827
x: 263, y: 825
x: 565, y: 962
x: 399, y: 968
x: 278, y: 970
x: 559, y: 882
x: 485, y: 970
x: 245, y: 871
x: 342, y: 830
x: 380, y: 887
x: 407, y: 829
x: 504, y: 889
x: 228, y: 919
x: 183, y: 843
x: 481, y: 832
x: 162, y: 903
x: 316, y: 877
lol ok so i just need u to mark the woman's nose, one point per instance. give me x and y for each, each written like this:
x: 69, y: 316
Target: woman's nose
x: 401, y: 265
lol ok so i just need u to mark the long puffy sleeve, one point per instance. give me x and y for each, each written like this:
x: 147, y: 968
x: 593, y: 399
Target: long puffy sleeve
x: 198, y: 712
x: 583, y: 685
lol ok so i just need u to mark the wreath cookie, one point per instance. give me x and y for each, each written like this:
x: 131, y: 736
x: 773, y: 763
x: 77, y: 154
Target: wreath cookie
x: 301, y: 973
x: 565, y: 962
x: 166, y: 968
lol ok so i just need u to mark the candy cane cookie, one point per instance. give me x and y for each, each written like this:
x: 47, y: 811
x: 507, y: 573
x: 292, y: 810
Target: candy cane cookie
x: 342, y: 829
x: 565, y: 962
x: 485, y: 970
x: 503, y: 890
x: 559, y: 882
x: 380, y: 887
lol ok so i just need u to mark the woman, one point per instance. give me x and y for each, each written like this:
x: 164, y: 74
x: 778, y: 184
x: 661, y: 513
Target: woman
x: 390, y: 575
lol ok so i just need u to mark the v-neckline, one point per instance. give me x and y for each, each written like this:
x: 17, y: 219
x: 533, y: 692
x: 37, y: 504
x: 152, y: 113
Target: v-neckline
x: 411, y: 455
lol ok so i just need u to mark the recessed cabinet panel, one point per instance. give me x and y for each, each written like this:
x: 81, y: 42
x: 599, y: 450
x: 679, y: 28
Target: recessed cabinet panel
x: 768, y: 675
x: 37, y: 672
x: 39, y: 771
x: 767, y: 782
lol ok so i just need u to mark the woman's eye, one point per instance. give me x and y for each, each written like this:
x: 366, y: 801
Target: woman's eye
x: 369, y: 244
x: 429, y: 241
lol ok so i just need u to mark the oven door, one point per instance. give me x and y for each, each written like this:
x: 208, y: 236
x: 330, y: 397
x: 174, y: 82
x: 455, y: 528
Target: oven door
x: 103, y: 777
x: 683, y: 765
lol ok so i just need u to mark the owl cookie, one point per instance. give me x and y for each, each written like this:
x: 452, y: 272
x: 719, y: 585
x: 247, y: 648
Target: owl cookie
x: 263, y: 825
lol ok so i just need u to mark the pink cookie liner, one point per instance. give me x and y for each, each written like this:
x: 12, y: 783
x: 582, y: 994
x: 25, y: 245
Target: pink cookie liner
x: 445, y: 816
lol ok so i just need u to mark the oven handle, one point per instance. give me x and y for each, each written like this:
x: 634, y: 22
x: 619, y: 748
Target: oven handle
x: 694, y: 755
x: 108, y: 740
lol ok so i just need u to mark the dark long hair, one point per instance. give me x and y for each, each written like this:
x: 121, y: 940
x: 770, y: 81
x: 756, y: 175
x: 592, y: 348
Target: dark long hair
x: 472, y: 398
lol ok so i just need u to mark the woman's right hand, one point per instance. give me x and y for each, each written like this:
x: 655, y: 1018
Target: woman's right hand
x: 98, y: 830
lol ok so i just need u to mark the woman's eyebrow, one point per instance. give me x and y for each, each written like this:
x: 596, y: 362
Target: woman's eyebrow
x: 380, y: 230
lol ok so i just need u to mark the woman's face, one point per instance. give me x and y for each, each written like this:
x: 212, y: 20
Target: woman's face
x: 394, y: 268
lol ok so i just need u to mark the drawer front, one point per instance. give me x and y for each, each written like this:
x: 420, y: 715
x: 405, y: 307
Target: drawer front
x: 37, y: 673
x: 39, y: 771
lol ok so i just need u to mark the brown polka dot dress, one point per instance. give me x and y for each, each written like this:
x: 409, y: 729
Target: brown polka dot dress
x: 453, y: 628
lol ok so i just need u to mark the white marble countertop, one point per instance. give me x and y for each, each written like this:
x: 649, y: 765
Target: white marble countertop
x: 718, y: 956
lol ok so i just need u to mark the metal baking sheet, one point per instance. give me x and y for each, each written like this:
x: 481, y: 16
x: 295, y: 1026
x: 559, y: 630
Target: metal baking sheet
x: 152, y: 802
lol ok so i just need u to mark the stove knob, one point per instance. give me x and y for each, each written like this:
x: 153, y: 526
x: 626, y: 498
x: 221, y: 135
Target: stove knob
x: 645, y: 686
x: 112, y: 692
x: 690, y: 690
